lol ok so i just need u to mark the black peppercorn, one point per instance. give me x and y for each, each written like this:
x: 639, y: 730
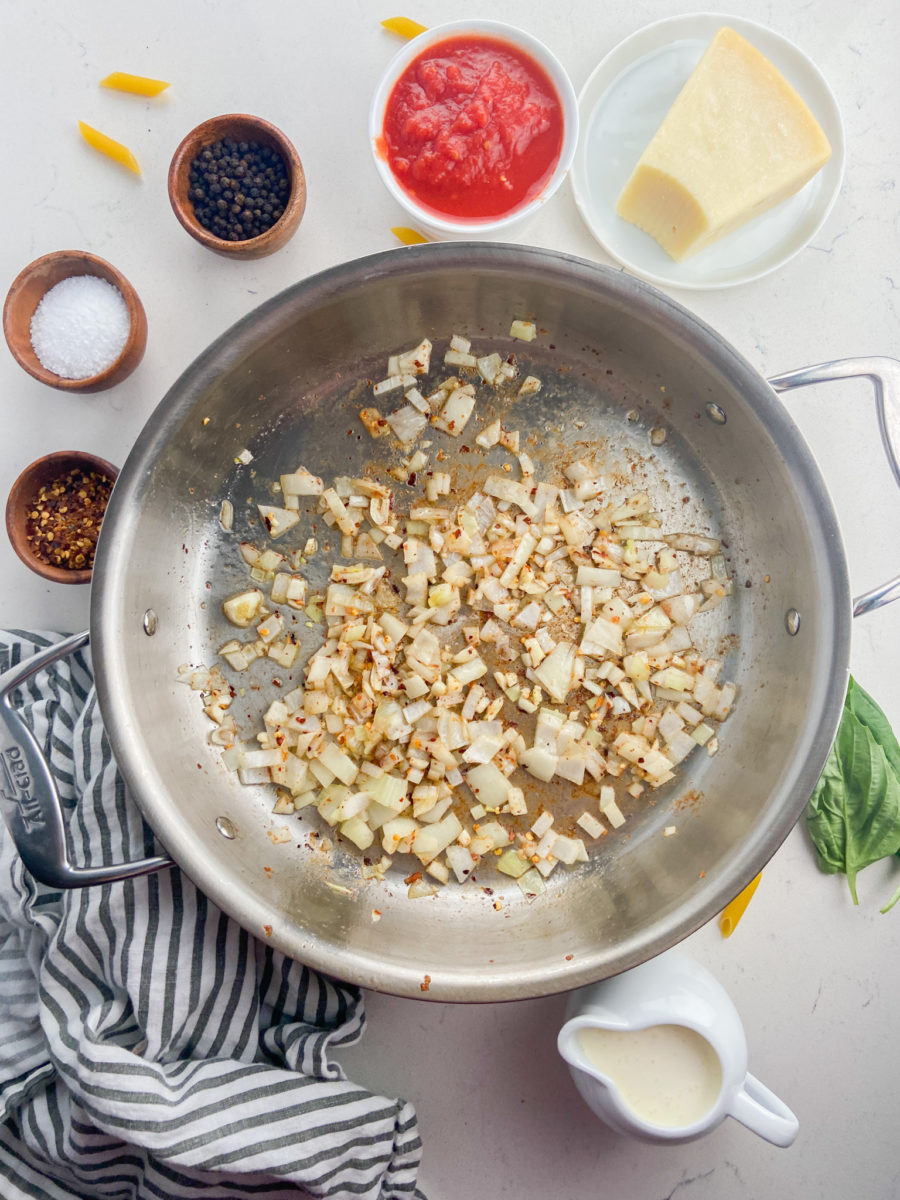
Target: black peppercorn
x: 238, y: 189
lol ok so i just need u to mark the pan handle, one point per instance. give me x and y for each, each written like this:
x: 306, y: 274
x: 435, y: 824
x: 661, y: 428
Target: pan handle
x: 29, y: 800
x: 885, y: 376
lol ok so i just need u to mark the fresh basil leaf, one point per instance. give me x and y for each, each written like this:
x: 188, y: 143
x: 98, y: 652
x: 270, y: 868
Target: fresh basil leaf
x: 867, y: 711
x: 824, y: 815
x: 870, y: 714
x: 854, y: 814
x: 890, y: 904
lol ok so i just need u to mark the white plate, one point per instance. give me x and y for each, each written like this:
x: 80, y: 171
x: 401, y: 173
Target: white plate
x: 621, y: 107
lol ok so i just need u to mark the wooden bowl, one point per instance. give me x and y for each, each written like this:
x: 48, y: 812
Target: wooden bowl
x: 26, y: 293
x: 43, y: 471
x: 243, y: 128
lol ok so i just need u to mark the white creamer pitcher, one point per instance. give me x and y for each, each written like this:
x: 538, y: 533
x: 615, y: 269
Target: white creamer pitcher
x: 659, y: 1053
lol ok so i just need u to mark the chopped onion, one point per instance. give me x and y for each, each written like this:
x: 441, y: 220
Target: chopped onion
x: 556, y: 671
x: 489, y: 436
x: 489, y: 367
x: 277, y: 520
x: 680, y: 609
x: 455, y: 414
x: 525, y: 331
x: 301, y: 483
x: 390, y: 384
x: 489, y: 785
x: 407, y: 423
x: 509, y: 489
x: 415, y: 361
x: 242, y: 609
x: 396, y: 711
x: 692, y: 543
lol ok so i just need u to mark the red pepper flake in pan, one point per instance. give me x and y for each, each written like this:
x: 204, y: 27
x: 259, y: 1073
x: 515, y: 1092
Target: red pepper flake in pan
x: 64, y: 519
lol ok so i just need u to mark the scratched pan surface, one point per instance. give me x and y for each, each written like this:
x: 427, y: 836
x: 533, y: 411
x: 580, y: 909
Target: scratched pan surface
x: 617, y: 359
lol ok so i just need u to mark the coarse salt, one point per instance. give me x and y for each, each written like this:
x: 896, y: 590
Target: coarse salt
x: 80, y: 327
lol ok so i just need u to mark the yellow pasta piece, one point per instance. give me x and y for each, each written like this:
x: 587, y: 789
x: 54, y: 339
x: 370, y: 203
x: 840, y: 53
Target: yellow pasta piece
x: 404, y: 27
x: 106, y: 145
x: 735, y: 910
x: 138, y: 85
x: 409, y: 237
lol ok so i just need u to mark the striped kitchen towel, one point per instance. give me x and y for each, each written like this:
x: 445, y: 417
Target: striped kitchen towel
x: 149, y: 1046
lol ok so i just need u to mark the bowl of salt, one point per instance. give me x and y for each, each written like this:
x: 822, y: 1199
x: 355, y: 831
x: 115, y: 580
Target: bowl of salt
x: 73, y: 321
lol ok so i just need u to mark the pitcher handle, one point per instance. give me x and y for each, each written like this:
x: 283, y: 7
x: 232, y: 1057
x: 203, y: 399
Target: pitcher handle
x: 885, y: 376
x: 29, y: 800
x: 762, y: 1112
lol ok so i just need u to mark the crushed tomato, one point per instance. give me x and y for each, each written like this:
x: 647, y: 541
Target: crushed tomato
x: 473, y: 128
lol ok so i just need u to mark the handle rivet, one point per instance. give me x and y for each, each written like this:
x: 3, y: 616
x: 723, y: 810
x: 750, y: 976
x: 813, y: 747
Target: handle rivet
x: 716, y: 413
x: 792, y: 622
x: 150, y: 622
x: 226, y: 828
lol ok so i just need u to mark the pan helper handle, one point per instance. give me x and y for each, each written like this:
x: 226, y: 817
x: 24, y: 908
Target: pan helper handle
x: 29, y: 800
x: 885, y: 375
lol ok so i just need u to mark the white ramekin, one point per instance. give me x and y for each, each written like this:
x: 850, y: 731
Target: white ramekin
x: 488, y: 228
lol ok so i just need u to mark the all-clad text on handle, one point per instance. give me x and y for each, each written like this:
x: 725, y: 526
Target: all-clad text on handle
x: 29, y: 800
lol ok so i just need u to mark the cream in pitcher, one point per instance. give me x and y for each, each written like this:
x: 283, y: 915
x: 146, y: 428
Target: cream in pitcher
x: 659, y: 1053
x: 667, y: 1074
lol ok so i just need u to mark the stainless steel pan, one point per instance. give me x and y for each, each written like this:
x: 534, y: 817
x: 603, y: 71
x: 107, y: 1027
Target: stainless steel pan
x: 617, y: 359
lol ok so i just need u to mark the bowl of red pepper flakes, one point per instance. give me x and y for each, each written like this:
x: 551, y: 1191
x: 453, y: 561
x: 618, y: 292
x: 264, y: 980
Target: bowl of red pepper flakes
x: 54, y: 513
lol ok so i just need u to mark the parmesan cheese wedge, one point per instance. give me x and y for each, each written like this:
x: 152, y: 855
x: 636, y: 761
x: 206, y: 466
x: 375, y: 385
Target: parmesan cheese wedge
x: 737, y: 141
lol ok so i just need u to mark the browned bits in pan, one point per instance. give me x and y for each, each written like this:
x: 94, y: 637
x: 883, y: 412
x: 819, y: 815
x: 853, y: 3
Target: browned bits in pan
x: 65, y: 516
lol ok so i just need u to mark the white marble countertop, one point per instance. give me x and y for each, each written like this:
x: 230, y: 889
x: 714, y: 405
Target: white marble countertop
x: 814, y: 978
